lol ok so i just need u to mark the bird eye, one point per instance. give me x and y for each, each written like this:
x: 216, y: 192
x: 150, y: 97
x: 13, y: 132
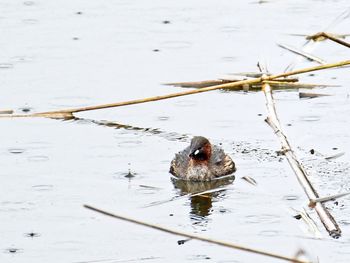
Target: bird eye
x: 196, y: 152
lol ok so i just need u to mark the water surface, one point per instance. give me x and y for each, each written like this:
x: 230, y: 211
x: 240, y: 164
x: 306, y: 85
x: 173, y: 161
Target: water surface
x: 76, y: 53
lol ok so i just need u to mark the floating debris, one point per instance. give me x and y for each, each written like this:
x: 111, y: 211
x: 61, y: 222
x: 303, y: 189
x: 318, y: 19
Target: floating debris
x: 323, y: 36
x: 249, y: 180
x: 150, y: 187
x: 31, y: 234
x: 308, y: 37
x: 199, y: 84
x: 313, y: 202
x: 304, y: 54
x: 6, y: 111
x: 311, y: 225
x: 335, y: 156
x: 16, y: 150
x: 307, y: 95
x: 13, y: 250
x: 183, y: 241
x: 25, y: 109
x: 298, y: 216
x: 281, y: 83
x: 290, y: 197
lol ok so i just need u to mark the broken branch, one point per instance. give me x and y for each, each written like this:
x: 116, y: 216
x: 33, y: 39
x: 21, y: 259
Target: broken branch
x: 272, y: 119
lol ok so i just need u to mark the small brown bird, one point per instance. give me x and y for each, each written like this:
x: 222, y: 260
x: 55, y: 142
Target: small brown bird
x: 201, y: 161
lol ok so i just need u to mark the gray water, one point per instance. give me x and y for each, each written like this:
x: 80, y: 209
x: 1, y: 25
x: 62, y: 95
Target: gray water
x: 62, y: 54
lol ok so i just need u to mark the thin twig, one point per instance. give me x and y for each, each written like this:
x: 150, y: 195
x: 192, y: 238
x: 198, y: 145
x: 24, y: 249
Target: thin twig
x: 303, y: 53
x: 309, y: 45
x: 306, y: 70
x: 226, y: 79
x: 6, y: 111
x: 250, y: 180
x: 327, y: 198
x: 294, y: 85
x: 335, y: 156
x: 308, y: 36
x: 68, y: 113
x: 197, y: 237
x: 284, y: 83
x: 200, y: 84
x: 307, y: 95
x: 312, y: 227
x: 272, y: 119
x: 329, y: 36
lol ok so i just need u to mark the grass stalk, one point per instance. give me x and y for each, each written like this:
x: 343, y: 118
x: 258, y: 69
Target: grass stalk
x: 197, y: 237
x: 68, y: 113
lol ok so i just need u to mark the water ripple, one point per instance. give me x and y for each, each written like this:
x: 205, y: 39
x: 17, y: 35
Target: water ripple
x: 262, y: 218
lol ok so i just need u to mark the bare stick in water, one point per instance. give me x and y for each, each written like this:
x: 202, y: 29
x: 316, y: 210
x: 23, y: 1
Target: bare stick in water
x: 323, y: 35
x: 68, y: 113
x: 272, y: 119
x: 303, y: 54
x: 197, y: 237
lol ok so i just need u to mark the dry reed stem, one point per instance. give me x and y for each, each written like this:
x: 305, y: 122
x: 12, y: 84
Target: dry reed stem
x: 304, y: 54
x: 312, y: 227
x: 306, y: 95
x: 310, y: 69
x: 327, y: 198
x: 68, y: 113
x: 329, y: 36
x: 226, y: 79
x: 308, y: 44
x: 6, y: 111
x: 277, y: 84
x: 197, y: 237
x: 291, y: 85
x: 308, y: 36
x: 200, y: 84
x: 272, y: 119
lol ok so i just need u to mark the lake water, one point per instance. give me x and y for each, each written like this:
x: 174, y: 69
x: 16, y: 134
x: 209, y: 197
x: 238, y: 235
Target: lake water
x: 63, y: 54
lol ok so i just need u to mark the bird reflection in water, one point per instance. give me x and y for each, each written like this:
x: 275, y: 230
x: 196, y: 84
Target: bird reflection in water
x: 202, y: 195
